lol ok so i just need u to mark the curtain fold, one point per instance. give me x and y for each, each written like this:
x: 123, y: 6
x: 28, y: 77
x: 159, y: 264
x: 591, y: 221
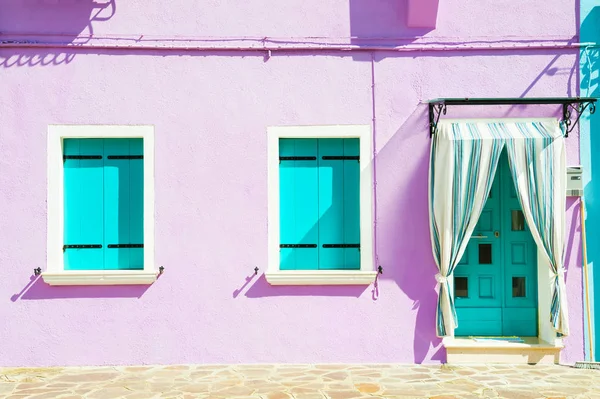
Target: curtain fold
x: 459, y: 188
x: 464, y: 157
x: 538, y: 168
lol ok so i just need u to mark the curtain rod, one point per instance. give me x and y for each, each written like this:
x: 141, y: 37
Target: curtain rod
x: 570, y: 105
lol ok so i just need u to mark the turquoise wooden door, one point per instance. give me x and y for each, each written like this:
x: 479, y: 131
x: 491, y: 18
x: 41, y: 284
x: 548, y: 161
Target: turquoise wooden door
x: 495, y: 283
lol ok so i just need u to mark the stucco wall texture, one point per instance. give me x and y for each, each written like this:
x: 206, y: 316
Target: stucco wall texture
x: 211, y: 111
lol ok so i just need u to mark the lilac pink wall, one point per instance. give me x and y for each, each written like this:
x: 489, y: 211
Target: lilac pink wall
x: 210, y: 110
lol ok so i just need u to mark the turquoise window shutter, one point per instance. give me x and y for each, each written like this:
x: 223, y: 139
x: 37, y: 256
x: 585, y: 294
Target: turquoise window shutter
x: 339, y: 208
x: 352, y: 203
x: 298, y: 204
x: 331, y: 204
x: 319, y: 204
x: 123, y: 204
x: 136, y: 202
x: 83, y: 204
x: 103, y: 204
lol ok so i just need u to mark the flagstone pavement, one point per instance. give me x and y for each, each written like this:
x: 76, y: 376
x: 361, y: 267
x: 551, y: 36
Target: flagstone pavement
x: 301, y: 382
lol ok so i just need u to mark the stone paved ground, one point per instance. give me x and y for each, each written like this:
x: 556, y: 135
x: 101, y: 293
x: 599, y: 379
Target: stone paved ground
x: 301, y: 382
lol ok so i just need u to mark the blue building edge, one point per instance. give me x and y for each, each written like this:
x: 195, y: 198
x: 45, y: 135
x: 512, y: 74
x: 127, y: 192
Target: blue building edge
x: 589, y: 85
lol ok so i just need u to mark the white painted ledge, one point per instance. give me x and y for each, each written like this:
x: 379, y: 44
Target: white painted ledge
x: 100, y: 277
x: 320, y: 277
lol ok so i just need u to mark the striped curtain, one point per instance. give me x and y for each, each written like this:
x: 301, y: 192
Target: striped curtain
x: 537, y: 161
x: 464, y: 157
x: 463, y: 164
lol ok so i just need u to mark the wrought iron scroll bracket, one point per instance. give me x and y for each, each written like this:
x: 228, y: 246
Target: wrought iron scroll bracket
x: 435, y: 111
x: 578, y: 109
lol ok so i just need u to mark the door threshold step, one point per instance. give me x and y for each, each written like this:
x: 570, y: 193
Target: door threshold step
x: 509, y: 350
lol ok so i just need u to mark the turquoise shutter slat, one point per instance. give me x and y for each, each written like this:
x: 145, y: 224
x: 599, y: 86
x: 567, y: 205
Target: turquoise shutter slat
x: 351, y: 204
x: 331, y: 204
x: 136, y: 204
x: 116, y: 204
x: 287, y: 204
x: 298, y: 204
x: 83, y: 204
x: 307, y: 205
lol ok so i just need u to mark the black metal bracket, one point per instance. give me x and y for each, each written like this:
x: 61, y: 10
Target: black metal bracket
x: 297, y: 158
x: 340, y: 158
x: 161, y: 270
x: 125, y: 157
x: 65, y: 157
x: 297, y: 245
x: 82, y: 246
x: 570, y: 106
x: 577, y: 108
x: 37, y: 271
x: 435, y: 111
x: 256, y: 271
x: 380, y: 269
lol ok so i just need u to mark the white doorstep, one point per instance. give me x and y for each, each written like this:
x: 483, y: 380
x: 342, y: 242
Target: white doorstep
x: 467, y: 350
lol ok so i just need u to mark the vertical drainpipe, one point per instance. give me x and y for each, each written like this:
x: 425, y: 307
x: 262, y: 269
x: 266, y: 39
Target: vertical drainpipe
x: 374, y: 132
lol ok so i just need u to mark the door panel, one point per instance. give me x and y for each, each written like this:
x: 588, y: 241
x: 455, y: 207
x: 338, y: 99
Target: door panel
x: 520, y: 263
x: 495, y: 286
x: 479, y: 305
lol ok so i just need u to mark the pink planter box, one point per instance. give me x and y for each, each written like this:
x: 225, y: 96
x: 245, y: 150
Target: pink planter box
x: 422, y: 13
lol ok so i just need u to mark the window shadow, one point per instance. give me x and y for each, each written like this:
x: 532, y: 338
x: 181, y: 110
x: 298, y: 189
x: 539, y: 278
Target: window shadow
x: 37, y: 289
x: 407, y: 258
x: 46, y: 23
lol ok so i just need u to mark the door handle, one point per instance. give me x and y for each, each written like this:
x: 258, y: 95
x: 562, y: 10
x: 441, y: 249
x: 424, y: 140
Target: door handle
x: 479, y: 236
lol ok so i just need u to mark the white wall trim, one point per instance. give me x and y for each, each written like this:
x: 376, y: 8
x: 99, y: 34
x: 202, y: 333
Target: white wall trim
x: 55, y: 200
x: 367, y: 273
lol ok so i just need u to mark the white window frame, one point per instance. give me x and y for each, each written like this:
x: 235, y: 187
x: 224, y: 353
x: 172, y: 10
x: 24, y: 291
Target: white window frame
x: 367, y: 274
x: 55, y: 273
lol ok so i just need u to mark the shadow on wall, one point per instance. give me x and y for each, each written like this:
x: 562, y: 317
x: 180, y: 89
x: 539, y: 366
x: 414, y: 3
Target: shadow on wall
x: 37, y: 289
x: 48, y: 21
x: 590, y: 87
x: 407, y: 258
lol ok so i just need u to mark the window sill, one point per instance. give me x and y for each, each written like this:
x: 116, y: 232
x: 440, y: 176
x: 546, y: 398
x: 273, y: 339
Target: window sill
x: 100, y: 277
x: 320, y: 277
